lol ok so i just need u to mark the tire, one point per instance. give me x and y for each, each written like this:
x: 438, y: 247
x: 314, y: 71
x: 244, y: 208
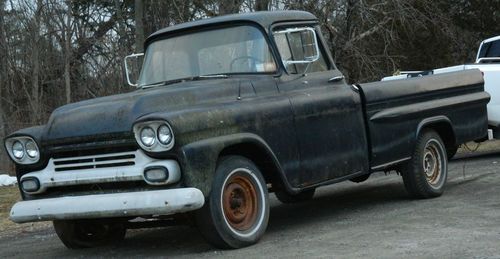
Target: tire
x: 236, y: 212
x: 360, y: 179
x: 76, y: 234
x: 286, y: 197
x: 425, y: 175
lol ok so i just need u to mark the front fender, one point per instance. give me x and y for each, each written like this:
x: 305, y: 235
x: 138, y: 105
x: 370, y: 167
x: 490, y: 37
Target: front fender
x: 36, y: 134
x: 199, y: 159
x: 33, y: 132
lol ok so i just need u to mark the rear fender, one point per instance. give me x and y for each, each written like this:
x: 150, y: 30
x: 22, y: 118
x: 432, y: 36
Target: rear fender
x: 442, y: 125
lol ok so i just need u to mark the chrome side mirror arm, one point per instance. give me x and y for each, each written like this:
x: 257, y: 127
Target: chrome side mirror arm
x: 127, y: 72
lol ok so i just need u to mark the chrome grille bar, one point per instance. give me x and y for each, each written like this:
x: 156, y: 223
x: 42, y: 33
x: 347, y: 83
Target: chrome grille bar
x: 96, y: 161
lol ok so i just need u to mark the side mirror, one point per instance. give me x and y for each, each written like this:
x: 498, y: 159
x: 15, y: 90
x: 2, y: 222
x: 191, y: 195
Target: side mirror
x: 306, y: 38
x: 136, y: 57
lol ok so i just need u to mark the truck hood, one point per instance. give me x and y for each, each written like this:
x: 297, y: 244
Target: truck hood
x: 116, y: 114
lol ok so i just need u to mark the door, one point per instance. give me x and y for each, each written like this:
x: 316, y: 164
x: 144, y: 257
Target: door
x: 328, y: 117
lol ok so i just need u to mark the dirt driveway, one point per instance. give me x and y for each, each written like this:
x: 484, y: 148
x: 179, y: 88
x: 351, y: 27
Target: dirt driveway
x: 374, y: 219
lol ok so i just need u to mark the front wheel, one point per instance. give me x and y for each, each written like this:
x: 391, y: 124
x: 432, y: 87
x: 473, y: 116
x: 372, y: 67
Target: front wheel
x: 236, y: 212
x: 425, y: 175
x: 77, y: 234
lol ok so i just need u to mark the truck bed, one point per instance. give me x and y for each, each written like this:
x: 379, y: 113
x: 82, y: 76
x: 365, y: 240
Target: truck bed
x: 397, y: 110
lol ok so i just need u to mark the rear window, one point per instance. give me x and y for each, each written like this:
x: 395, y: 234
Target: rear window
x: 490, y: 50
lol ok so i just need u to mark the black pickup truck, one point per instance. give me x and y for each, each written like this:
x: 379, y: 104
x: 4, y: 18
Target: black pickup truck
x: 227, y: 110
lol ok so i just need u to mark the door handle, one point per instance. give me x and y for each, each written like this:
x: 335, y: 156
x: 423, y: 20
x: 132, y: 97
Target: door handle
x: 336, y: 78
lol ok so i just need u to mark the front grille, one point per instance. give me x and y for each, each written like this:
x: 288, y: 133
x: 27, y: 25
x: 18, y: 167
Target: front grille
x: 94, y: 161
x: 90, y: 146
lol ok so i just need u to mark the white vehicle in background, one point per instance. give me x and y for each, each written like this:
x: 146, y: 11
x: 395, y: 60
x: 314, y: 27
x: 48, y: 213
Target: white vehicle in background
x: 488, y: 61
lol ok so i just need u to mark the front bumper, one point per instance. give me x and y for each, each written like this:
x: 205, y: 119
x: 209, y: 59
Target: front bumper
x: 161, y: 202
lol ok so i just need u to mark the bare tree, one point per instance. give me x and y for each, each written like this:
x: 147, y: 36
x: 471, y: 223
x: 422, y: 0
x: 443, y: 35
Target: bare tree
x: 139, y: 26
x: 229, y: 6
x: 57, y: 51
x: 67, y: 32
x: 262, y: 5
x: 3, y: 76
x: 3, y: 64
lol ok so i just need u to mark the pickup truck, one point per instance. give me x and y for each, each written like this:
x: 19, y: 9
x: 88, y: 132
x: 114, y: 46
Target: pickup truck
x: 488, y: 61
x: 226, y: 111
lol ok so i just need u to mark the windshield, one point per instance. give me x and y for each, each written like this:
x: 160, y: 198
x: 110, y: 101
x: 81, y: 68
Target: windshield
x: 240, y: 49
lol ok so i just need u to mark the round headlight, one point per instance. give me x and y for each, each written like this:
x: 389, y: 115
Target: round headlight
x: 31, y: 149
x: 18, y: 149
x: 148, y: 136
x: 164, y: 134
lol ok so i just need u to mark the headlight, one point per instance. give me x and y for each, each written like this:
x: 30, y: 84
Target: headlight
x: 18, y: 149
x: 154, y: 136
x: 164, y: 134
x: 31, y: 149
x: 148, y: 136
x: 22, y: 149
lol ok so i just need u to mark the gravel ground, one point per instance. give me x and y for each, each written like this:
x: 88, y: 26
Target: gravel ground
x: 374, y: 219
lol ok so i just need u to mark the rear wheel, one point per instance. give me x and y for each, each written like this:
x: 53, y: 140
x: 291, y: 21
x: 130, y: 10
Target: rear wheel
x: 236, y: 212
x: 425, y: 175
x: 88, y: 233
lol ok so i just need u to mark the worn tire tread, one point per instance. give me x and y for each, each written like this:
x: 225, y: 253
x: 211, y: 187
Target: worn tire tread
x: 413, y: 178
x: 66, y: 231
x: 206, y: 220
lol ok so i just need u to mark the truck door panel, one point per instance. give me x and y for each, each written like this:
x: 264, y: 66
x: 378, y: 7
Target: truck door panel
x: 330, y: 128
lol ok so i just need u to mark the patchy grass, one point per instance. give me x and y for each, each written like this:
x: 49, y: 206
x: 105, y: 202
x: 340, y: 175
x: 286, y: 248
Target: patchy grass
x: 8, y: 196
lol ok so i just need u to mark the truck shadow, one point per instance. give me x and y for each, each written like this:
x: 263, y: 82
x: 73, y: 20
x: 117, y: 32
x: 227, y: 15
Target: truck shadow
x: 476, y: 155
x: 341, y: 202
x: 329, y: 204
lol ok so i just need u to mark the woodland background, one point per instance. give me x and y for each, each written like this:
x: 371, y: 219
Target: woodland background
x: 54, y: 52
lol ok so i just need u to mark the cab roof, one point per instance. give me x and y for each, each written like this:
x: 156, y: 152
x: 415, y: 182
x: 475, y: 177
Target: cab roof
x: 264, y: 19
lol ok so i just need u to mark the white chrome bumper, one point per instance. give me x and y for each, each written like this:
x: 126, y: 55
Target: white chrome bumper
x: 162, y: 202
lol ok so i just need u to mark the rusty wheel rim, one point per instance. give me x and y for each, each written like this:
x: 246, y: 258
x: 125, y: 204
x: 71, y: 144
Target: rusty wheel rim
x: 240, y: 202
x: 432, y: 163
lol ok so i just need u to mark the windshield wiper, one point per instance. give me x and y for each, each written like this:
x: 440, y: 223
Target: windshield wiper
x: 191, y: 78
